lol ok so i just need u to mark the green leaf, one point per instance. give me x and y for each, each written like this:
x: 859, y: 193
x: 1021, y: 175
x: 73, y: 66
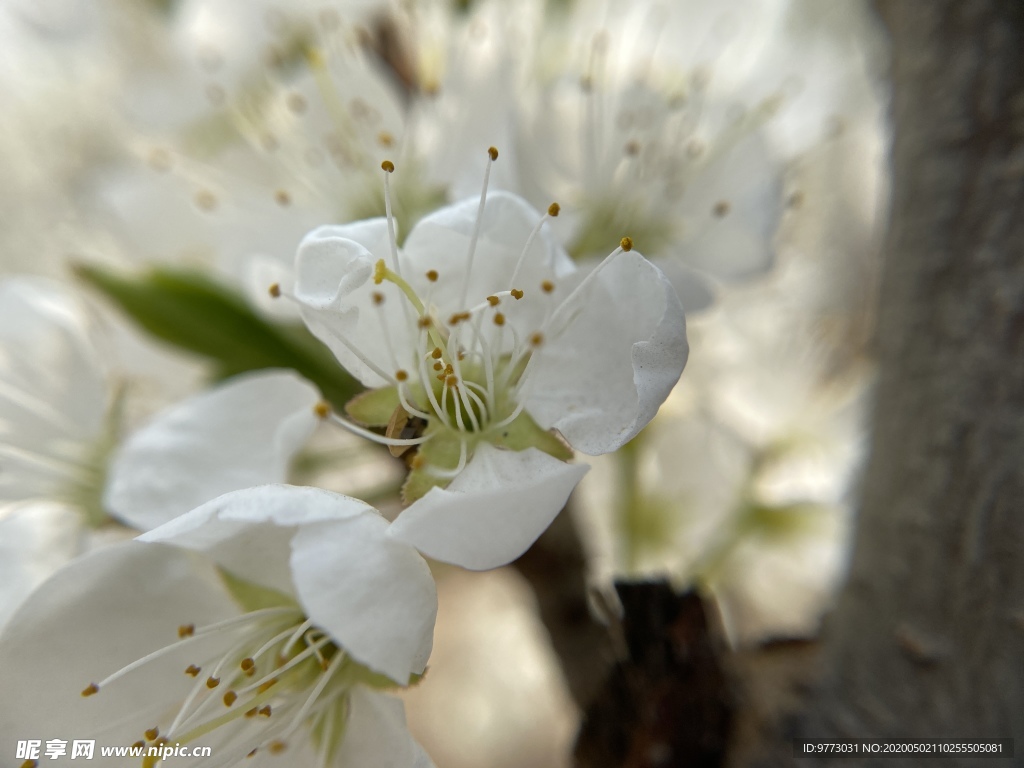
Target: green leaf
x: 374, y: 407
x: 191, y: 311
x: 254, y: 597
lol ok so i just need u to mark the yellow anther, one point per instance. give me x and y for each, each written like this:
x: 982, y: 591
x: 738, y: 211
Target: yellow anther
x: 151, y: 734
x: 230, y: 698
x: 547, y: 286
x: 721, y: 208
x: 322, y: 409
x: 138, y: 744
x: 30, y: 764
x: 516, y: 294
x: 193, y: 670
x: 632, y: 148
x: 451, y: 381
x: 186, y: 630
x: 277, y: 747
x: 626, y: 244
x: 537, y: 339
x: 282, y: 198
x: 449, y: 369
x: 378, y: 298
x: 499, y: 319
x: 388, y: 166
x: 554, y: 209
x: 252, y: 712
x: 206, y: 200
x: 438, y: 366
x: 212, y: 682
x: 247, y: 664
x: 385, y: 139
x: 275, y: 290
x: 493, y: 301
x: 437, y: 353
x: 432, y: 275
x: 401, y: 375
x: 493, y: 152
x: 267, y: 686
x: 265, y: 710
x: 458, y: 317
x: 380, y: 271
x: 91, y: 690
x: 424, y: 322
x: 253, y: 752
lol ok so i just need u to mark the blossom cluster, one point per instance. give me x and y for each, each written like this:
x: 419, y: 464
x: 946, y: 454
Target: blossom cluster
x: 352, y: 285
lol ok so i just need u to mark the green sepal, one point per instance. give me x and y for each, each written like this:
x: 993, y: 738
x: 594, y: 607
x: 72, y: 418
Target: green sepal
x: 441, y: 451
x: 374, y: 407
x: 418, y: 482
x: 254, y: 597
x: 523, y: 432
x: 191, y: 311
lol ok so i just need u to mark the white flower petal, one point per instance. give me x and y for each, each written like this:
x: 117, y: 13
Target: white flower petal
x: 332, y: 269
x: 493, y: 511
x: 374, y: 594
x: 53, y: 391
x: 91, y: 618
x: 441, y: 241
x: 35, y: 540
x: 249, y: 532
x: 376, y: 735
x: 601, y: 379
x: 241, y: 434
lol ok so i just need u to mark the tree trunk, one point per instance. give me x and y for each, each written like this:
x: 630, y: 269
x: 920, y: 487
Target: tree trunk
x: 927, y: 639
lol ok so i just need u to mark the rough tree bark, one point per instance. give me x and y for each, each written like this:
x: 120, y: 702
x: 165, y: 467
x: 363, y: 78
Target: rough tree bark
x: 927, y: 639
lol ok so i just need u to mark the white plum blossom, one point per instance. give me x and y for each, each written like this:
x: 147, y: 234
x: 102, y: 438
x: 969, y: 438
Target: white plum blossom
x: 476, y: 338
x: 269, y: 619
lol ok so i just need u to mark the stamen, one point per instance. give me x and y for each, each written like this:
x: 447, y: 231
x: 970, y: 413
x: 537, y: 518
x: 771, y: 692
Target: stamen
x: 529, y: 242
x: 516, y: 294
x: 90, y: 690
x: 547, y: 286
x: 186, y: 630
x: 492, y: 153
x: 193, y: 670
x: 152, y: 733
x: 230, y: 698
x: 381, y: 439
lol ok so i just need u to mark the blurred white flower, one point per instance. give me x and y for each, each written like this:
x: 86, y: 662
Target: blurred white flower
x: 58, y: 424
x: 675, y: 123
x: 297, y: 616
